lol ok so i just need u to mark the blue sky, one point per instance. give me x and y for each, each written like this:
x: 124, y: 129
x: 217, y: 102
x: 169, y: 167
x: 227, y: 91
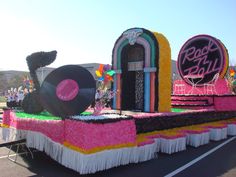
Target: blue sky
x: 84, y: 31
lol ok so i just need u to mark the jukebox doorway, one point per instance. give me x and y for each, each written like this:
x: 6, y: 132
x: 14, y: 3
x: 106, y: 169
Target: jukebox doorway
x: 132, y: 62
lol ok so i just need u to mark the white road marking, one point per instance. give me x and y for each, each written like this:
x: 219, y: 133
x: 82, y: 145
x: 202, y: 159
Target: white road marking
x: 199, y: 158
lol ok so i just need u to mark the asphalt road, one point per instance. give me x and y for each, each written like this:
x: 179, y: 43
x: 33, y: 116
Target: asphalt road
x: 220, y: 162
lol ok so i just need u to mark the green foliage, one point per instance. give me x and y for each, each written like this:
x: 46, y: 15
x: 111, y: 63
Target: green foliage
x: 3, y: 82
x: 15, y: 81
x: 2, y: 99
x: 11, y: 79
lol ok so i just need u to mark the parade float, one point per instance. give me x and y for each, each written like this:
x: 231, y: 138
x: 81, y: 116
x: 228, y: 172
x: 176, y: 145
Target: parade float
x: 142, y: 122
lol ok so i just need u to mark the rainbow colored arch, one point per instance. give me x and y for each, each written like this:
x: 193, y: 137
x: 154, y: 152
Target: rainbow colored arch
x: 157, y: 68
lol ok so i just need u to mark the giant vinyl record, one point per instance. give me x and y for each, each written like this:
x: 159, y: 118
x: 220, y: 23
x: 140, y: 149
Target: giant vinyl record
x: 68, y: 90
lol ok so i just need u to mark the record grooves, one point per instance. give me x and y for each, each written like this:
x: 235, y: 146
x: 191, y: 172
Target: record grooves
x: 68, y: 90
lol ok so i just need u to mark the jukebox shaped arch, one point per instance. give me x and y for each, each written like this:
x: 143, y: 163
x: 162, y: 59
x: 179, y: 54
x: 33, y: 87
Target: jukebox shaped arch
x: 136, y: 62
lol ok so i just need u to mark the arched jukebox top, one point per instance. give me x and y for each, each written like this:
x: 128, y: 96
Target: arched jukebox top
x: 142, y: 62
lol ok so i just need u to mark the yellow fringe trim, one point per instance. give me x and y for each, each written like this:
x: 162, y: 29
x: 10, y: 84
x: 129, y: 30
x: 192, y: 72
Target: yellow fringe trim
x: 176, y: 131
x: 4, y: 125
x: 222, y: 74
x: 97, y: 149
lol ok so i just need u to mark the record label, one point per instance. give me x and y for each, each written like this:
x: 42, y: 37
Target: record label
x: 67, y: 90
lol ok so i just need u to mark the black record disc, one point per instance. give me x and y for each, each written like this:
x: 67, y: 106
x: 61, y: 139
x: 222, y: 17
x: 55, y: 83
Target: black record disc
x: 68, y: 90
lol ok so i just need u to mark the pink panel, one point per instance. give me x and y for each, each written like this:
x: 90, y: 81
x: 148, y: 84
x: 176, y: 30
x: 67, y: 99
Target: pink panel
x: 91, y: 135
x: 226, y: 103
x: 6, y: 117
x: 54, y: 129
x: 221, y: 88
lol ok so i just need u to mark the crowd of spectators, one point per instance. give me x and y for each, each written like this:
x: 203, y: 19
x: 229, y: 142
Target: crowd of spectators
x: 14, y: 97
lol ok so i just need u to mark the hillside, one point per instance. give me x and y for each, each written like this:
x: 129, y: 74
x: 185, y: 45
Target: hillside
x: 10, y: 79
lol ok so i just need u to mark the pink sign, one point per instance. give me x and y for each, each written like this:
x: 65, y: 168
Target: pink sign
x: 201, y: 55
x: 67, y: 90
